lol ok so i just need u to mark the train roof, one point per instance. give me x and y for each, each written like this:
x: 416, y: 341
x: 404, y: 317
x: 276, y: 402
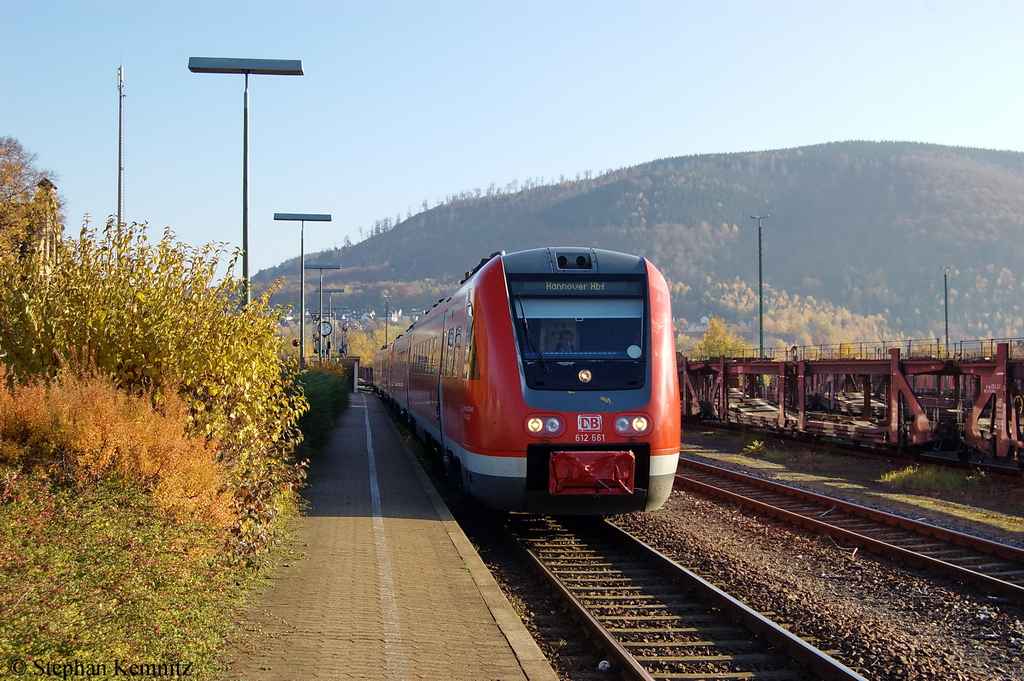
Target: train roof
x: 571, y: 260
x: 559, y: 260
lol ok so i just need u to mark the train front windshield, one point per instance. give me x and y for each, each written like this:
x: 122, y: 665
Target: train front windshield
x: 580, y: 333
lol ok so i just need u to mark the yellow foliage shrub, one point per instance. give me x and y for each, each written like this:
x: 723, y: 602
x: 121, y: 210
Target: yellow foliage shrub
x: 83, y: 428
x: 156, y: 318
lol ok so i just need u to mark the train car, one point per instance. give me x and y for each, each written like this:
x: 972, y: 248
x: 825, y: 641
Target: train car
x: 547, y: 382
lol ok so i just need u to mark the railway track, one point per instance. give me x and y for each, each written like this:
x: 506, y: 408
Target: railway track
x: 656, y: 619
x: 997, y: 569
x: 949, y: 459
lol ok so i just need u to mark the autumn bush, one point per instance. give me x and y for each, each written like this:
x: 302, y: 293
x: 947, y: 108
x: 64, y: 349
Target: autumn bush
x: 113, y: 520
x: 80, y: 430
x: 158, y: 321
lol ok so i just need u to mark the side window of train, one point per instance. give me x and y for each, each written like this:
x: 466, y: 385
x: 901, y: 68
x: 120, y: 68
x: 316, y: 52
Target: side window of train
x: 453, y: 366
x: 470, y: 370
x: 446, y: 354
x: 448, y: 365
x: 472, y: 364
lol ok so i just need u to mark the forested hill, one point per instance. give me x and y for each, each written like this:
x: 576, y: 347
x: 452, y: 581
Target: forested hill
x: 853, y: 250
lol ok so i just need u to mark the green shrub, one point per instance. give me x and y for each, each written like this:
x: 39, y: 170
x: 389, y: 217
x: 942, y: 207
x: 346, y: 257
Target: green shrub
x: 326, y: 388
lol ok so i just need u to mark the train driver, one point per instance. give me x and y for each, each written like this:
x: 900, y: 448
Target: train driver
x: 565, y: 342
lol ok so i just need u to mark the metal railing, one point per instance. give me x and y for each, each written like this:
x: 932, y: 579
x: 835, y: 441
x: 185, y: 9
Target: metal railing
x: 986, y: 348
x: 915, y: 348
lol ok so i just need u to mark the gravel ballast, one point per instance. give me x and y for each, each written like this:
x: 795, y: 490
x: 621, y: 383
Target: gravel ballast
x: 884, y: 619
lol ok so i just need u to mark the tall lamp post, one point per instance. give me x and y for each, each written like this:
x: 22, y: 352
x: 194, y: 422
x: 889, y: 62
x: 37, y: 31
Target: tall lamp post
x: 301, y: 218
x: 945, y: 301
x: 386, y: 316
x: 760, y: 287
x: 271, y: 67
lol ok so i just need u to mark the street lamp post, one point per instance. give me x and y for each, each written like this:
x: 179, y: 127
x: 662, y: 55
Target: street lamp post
x: 945, y: 302
x: 272, y: 67
x: 760, y: 287
x: 320, y: 313
x: 301, y: 218
x: 386, y: 315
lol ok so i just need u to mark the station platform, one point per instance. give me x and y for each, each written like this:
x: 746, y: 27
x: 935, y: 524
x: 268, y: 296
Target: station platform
x: 387, y: 586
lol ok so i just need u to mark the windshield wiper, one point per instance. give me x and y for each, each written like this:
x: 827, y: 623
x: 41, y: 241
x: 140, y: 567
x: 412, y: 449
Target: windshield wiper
x: 529, y: 338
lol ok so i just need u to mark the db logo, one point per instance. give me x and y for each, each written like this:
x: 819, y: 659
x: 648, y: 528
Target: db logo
x: 589, y: 422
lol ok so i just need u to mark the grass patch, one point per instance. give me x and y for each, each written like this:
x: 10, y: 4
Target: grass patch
x: 930, y: 479
x: 102, y: 574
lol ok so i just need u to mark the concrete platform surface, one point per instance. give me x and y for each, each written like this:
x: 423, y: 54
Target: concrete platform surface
x: 389, y: 587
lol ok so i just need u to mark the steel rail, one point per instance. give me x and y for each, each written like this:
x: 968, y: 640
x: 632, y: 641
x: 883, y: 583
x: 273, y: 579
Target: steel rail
x: 858, y: 538
x: 604, y: 638
x: 878, y: 452
x: 760, y: 626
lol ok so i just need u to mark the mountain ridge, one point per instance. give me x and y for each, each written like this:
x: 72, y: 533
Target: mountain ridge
x: 857, y: 237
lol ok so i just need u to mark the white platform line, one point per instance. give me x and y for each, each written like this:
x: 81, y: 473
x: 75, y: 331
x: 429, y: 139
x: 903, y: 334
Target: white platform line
x: 395, y: 663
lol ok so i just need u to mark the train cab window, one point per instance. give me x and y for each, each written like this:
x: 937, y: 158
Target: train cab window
x: 581, y: 332
x: 596, y: 328
x: 560, y: 337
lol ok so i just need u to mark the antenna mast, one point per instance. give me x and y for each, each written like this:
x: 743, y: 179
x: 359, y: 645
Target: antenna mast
x: 120, y: 147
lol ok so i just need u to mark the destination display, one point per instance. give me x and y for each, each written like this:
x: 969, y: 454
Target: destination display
x: 581, y: 286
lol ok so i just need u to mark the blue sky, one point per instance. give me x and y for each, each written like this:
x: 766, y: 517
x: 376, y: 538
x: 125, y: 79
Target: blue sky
x: 406, y: 102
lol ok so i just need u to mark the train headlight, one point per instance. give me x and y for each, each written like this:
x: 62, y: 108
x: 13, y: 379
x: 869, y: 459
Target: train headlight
x: 545, y: 425
x: 632, y: 424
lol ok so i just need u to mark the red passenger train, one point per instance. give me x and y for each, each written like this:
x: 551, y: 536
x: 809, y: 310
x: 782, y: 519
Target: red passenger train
x: 547, y: 381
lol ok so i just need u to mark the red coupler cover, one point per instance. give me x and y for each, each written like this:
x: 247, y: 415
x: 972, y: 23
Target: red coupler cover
x: 591, y: 473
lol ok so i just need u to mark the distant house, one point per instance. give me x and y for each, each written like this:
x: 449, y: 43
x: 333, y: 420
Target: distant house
x: 694, y: 331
